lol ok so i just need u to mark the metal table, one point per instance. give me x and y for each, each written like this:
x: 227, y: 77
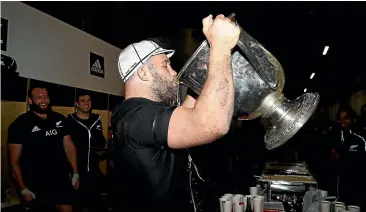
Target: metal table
x: 286, y: 178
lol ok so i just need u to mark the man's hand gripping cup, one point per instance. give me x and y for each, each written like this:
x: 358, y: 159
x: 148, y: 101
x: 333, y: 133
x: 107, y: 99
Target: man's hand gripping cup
x: 221, y: 33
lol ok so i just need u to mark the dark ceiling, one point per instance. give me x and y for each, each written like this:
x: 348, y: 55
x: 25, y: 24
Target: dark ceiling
x: 295, y: 32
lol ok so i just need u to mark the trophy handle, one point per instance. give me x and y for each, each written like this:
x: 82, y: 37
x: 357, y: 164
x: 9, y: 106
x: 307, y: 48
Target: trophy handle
x: 263, y: 62
x: 232, y: 17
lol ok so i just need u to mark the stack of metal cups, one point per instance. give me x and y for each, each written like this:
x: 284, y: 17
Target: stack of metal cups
x: 238, y: 203
x: 326, y: 206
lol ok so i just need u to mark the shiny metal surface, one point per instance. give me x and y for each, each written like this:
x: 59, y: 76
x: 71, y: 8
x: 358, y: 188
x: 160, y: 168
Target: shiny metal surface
x: 272, y: 168
x: 259, y: 80
x: 286, y: 178
x: 276, y: 187
x: 287, y: 174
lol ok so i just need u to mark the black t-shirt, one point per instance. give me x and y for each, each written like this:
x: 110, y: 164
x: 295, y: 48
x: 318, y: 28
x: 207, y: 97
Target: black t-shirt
x: 150, y: 174
x: 43, y: 155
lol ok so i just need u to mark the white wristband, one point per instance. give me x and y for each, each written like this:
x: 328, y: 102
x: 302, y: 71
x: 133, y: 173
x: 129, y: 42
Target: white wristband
x: 75, y: 178
x: 27, y: 191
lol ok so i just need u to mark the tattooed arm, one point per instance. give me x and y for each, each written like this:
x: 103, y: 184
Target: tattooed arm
x: 211, y: 115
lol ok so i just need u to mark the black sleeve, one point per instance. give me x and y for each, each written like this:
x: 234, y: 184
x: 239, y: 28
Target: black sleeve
x: 69, y: 125
x: 150, y: 125
x: 16, y: 134
x: 101, y: 137
x: 65, y: 129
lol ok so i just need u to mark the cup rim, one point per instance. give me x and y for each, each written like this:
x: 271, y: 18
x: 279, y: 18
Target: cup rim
x: 354, y: 206
x: 236, y: 199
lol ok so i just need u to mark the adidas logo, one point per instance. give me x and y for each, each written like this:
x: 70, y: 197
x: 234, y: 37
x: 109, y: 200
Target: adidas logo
x: 96, y: 67
x: 35, y: 129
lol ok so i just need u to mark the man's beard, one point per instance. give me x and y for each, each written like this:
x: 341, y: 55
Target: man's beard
x: 35, y: 108
x: 165, y: 90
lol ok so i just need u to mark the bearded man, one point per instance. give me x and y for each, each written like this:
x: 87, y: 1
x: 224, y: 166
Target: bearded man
x: 151, y: 137
x: 40, y: 149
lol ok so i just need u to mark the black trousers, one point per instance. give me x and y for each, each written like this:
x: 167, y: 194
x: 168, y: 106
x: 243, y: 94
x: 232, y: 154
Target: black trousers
x: 55, y: 189
x: 352, y: 189
x: 91, y: 187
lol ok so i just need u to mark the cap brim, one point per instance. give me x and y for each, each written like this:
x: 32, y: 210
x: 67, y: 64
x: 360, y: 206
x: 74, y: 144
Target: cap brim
x: 168, y: 52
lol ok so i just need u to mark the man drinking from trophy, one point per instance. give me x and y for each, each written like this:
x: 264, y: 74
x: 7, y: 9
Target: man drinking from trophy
x: 151, y: 137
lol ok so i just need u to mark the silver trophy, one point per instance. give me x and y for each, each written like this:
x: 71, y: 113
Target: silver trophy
x: 258, y: 80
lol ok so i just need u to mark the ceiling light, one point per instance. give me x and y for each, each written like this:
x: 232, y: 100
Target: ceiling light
x: 305, y: 90
x: 312, y: 75
x: 326, y: 48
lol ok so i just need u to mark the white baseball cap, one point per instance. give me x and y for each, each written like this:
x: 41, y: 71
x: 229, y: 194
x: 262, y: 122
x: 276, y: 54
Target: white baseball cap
x: 135, y: 55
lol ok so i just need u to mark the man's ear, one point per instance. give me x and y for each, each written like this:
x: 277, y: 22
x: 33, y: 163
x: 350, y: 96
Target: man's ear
x: 29, y: 100
x: 143, y: 73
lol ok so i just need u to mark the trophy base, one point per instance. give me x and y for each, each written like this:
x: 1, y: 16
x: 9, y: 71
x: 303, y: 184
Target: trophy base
x: 289, y: 121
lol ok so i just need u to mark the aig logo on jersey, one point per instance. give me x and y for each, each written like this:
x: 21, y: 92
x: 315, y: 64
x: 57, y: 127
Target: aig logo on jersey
x: 96, y: 65
x: 51, y: 132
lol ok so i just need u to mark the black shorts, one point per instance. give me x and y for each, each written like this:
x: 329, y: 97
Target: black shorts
x: 54, y: 190
x: 91, y: 187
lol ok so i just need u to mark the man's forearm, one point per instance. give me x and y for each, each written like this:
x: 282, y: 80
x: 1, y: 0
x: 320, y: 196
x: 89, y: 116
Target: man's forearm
x: 17, y: 174
x: 71, y: 156
x: 217, y: 97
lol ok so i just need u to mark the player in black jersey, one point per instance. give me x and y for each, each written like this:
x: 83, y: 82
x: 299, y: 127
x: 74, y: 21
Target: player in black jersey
x: 43, y: 156
x: 87, y: 134
x: 150, y: 137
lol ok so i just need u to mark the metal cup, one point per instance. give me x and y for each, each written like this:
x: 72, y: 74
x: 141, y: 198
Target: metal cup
x: 227, y: 206
x: 237, y: 199
x: 324, y: 193
x: 221, y: 202
x: 229, y: 195
x: 339, y: 206
x: 254, y: 190
x: 259, y: 80
x: 324, y: 206
x: 258, y: 203
x: 354, y: 208
x: 238, y: 206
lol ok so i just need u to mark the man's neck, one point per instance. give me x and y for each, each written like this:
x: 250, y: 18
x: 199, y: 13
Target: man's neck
x: 42, y: 115
x: 139, y: 90
x: 82, y: 115
x: 146, y: 95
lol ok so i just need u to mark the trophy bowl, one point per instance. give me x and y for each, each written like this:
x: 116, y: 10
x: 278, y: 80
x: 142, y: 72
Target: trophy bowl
x: 258, y: 80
